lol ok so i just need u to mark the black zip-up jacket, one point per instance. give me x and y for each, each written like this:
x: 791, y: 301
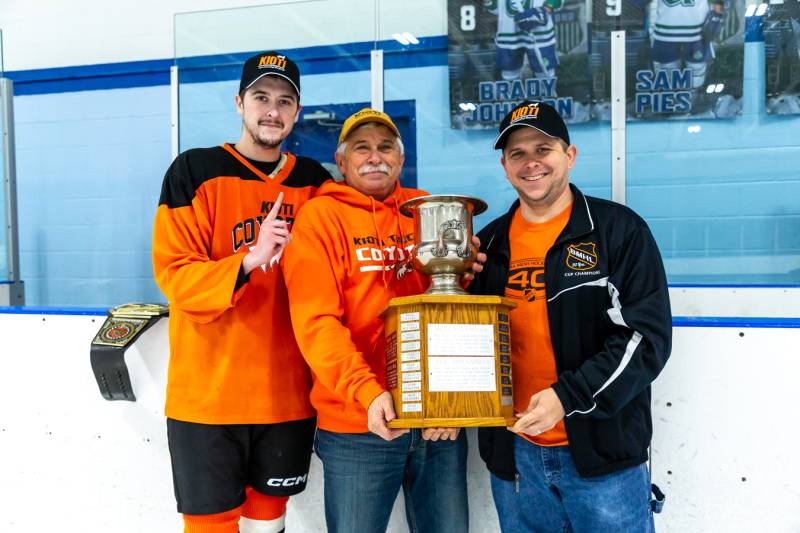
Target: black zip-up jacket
x: 611, y: 328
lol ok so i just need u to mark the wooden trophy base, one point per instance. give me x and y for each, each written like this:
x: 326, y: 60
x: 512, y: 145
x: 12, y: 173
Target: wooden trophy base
x: 448, y: 361
x: 451, y: 422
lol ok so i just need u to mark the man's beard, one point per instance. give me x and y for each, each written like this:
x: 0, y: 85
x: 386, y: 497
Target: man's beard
x: 273, y: 141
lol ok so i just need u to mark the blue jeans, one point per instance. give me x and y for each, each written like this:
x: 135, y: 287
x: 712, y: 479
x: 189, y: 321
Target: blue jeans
x: 363, y: 474
x: 550, y: 496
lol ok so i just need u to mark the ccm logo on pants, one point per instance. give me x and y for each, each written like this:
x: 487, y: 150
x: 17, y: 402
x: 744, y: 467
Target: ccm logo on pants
x: 286, y: 482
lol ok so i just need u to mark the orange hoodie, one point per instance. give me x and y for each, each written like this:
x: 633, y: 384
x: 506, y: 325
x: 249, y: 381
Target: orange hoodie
x: 349, y: 255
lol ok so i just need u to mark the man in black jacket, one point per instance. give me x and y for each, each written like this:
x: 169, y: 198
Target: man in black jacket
x: 591, y: 331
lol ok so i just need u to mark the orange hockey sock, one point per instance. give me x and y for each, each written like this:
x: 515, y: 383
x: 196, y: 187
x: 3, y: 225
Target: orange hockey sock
x: 259, y: 506
x: 227, y: 522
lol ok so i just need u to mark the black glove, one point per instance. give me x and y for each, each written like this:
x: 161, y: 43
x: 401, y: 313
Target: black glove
x: 531, y: 18
x: 712, y: 27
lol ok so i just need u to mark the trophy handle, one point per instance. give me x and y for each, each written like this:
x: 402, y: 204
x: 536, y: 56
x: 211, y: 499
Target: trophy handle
x: 440, y: 250
x: 465, y: 248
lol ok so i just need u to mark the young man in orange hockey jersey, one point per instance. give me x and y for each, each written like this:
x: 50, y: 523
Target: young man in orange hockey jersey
x: 239, y: 421
x: 350, y: 255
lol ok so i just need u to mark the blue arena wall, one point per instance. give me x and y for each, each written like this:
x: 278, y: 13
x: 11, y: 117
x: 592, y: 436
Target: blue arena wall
x: 93, y: 143
x: 89, y: 169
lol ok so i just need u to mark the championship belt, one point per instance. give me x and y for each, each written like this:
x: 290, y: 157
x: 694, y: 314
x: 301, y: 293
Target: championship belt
x: 125, y: 323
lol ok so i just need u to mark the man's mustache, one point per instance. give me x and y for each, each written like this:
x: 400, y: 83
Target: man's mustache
x: 366, y: 169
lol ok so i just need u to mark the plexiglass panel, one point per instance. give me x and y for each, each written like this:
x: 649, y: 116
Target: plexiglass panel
x: 281, y: 26
x: 4, y: 272
x: 212, y: 45
x: 456, y: 129
x: 717, y: 184
x: 720, y: 186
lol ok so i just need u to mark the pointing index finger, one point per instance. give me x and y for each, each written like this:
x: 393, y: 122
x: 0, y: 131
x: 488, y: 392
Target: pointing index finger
x: 276, y: 208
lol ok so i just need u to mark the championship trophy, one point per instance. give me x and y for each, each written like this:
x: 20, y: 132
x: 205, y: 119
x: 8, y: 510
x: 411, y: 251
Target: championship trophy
x: 448, y: 353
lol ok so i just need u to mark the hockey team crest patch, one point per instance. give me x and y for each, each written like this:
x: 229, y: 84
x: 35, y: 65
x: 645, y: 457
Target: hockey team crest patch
x: 119, y: 331
x: 582, y: 256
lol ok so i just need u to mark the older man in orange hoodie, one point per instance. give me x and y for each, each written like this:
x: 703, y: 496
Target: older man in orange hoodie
x: 351, y: 253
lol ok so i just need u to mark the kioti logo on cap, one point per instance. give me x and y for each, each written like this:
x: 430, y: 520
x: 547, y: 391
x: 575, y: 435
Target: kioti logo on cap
x: 528, y: 111
x: 272, y: 61
x: 537, y: 115
x: 269, y: 64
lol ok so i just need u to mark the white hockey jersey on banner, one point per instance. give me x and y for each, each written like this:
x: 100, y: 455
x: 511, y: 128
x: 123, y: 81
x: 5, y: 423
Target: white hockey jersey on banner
x: 509, y: 35
x: 680, y: 21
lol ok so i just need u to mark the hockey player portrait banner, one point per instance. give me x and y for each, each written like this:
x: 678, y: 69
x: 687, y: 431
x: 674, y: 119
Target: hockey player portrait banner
x: 684, y: 58
x: 782, y: 57
x: 502, y: 52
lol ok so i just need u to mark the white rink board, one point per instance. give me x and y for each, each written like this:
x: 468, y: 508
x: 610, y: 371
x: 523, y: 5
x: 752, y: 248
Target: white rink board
x: 735, y: 301
x: 94, y: 464
x: 103, y: 466
x: 730, y: 436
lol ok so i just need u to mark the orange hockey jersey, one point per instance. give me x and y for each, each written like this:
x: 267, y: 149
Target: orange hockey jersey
x: 349, y: 256
x: 233, y: 357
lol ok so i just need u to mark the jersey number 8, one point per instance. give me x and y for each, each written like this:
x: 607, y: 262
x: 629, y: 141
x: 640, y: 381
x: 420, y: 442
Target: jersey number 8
x: 467, y: 17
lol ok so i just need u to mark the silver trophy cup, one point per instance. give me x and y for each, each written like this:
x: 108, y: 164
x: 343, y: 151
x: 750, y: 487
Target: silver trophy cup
x: 443, y: 230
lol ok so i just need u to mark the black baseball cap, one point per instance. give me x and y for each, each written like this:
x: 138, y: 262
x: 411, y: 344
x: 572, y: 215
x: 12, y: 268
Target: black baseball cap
x: 270, y: 63
x: 536, y: 115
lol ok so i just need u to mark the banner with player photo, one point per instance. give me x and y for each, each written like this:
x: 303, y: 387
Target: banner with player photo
x: 782, y: 56
x: 502, y: 52
x: 684, y: 58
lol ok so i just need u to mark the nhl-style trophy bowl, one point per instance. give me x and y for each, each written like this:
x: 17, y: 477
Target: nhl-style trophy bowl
x: 443, y: 230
